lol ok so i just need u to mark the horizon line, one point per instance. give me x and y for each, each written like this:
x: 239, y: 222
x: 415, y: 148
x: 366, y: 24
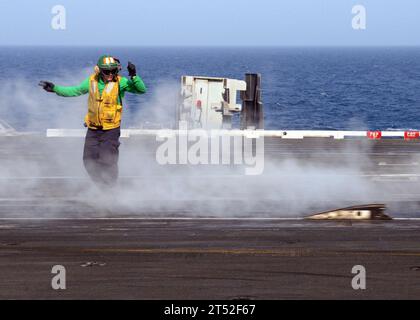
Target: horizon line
x: 215, y: 46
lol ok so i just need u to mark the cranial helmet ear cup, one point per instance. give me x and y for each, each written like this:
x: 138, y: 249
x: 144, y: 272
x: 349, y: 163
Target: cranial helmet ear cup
x: 96, y: 69
x: 119, y: 63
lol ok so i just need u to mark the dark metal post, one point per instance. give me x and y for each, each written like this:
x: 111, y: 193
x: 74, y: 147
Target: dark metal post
x: 252, y: 115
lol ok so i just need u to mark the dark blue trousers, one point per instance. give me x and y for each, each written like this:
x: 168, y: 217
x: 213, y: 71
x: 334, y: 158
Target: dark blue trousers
x: 100, y: 155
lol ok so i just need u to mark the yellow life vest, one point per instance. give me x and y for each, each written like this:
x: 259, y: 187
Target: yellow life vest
x: 104, y: 111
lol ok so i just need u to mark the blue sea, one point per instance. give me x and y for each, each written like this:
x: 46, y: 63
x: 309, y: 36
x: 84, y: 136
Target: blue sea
x: 303, y: 88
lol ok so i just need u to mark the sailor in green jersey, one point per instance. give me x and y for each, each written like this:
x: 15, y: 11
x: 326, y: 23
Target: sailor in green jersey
x: 106, y: 91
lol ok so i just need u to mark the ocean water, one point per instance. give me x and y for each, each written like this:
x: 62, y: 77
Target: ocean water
x: 303, y: 88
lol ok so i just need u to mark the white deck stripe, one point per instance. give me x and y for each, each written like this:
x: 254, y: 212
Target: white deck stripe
x: 285, y: 134
x: 157, y: 218
x: 405, y: 175
x: 190, y: 219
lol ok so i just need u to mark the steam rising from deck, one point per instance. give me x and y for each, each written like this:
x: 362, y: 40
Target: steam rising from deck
x: 48, y: 174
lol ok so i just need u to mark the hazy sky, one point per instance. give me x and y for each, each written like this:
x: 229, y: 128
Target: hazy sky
x: 209, y: 22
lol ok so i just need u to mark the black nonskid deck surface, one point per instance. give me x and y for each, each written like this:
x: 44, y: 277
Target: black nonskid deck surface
x: 208, y: 259
x: 156, y: 244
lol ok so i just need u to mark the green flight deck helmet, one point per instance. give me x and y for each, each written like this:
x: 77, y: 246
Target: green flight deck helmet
x: 106, y: 62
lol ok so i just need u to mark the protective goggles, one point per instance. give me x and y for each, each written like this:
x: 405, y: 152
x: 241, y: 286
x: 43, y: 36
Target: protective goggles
x: 109, y: 72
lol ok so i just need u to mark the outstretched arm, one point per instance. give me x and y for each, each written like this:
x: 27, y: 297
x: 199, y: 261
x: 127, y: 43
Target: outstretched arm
x: 72, y: 91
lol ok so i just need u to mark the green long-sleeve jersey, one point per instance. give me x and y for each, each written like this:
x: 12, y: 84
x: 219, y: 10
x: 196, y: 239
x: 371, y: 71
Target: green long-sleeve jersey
x: 135, y: 85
